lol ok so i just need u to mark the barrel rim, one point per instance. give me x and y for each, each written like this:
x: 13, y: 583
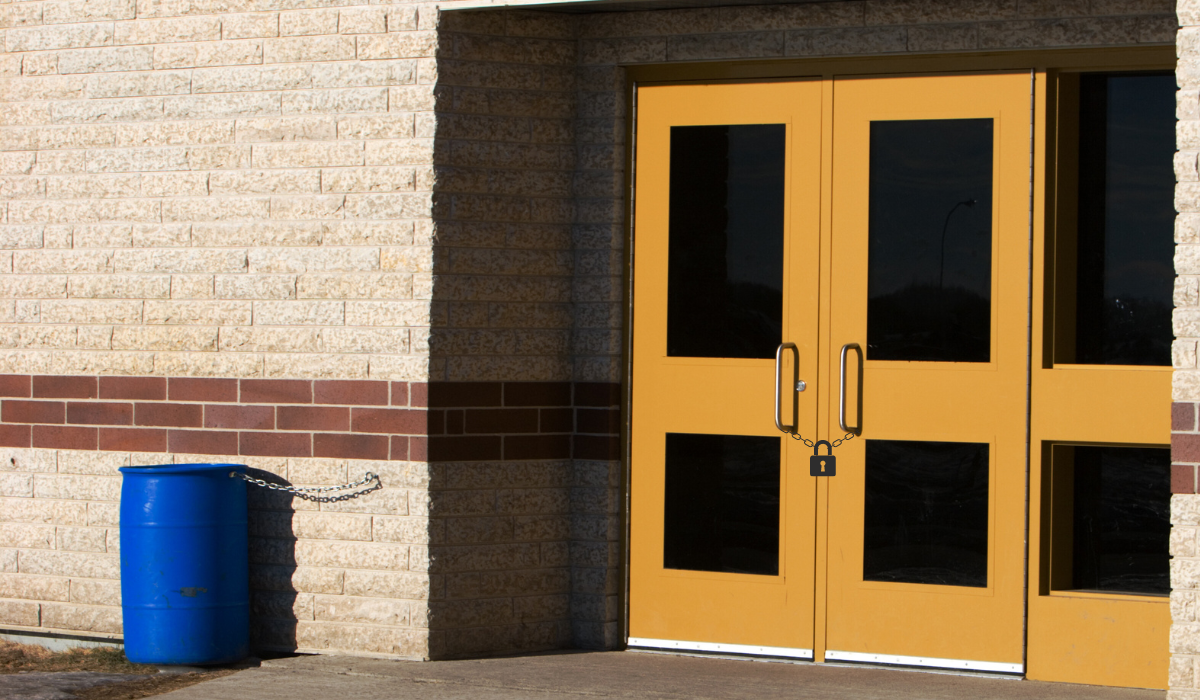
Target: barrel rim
x: 196, y: 468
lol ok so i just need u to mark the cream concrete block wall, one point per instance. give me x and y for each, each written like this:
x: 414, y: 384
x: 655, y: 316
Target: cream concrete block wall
x: 503, y: 216
x: 190, y: 191
x: 504, y: 201
x: 1186, y: 322
x: 347, y: 577
x: 367, y: 191
x: 172, y: 165
x: 335, y: 577
x: 1184, y: 681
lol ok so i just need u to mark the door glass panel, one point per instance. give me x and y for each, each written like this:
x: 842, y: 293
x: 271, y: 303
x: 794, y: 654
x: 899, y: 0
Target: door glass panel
x: 722, y: 503
x: 1126, y: 219
x: 929, y: 261
x: 1113, y: 531
x: 725, y: 228
x: 926, y: 513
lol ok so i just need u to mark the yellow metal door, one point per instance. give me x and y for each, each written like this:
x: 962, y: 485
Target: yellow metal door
x: 929, y: 276
x: 721, y: 518
x: 905, y: 201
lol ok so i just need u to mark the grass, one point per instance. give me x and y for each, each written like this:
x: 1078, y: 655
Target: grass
x: 17, y: 658
x: 145, y: 680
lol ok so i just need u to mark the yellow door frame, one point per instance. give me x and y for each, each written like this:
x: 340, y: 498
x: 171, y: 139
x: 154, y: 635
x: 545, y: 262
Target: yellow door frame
x: 1075, y: 404
x: 1042, y: 606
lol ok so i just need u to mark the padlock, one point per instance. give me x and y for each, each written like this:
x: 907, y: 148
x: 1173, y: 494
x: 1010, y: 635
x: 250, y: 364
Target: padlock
x: 822, y: 464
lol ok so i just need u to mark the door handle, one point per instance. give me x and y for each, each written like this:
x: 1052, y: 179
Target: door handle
x: 779, y: 380
x: 857, y: 429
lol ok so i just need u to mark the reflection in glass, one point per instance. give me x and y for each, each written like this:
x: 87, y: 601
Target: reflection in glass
x: 725, y: 266
x: 929, y: 261
x: 722, y: 504
x: 1126, y: 219
x: 1122, y: 519
x: 926, y: 513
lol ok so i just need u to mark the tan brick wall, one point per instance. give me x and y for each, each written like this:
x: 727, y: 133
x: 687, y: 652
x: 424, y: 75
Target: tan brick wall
x: 359, y: 192
x: 350, y: 576
x: 190, y: 192
x: 504, y: 198
x: 1184, y: 681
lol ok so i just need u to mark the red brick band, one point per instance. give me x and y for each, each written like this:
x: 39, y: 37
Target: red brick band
x: 1185, y: 448
x: 354, y: 419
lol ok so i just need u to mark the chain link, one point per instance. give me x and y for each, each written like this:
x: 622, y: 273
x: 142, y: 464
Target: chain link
x: 810, y: 443
x: 308, y: 493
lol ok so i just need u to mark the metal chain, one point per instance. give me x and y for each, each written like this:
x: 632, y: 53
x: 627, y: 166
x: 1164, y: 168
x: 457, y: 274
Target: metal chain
x: 810, y: 443
x: 307, y: 493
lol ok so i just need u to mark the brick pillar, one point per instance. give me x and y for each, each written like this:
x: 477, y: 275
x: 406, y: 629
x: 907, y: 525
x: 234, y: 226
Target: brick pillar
x: 1185, y: 440
x: 1185, y: 565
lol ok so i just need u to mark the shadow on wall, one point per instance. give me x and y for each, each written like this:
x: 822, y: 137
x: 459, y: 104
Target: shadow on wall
x: 524, y: 334
x: 274, y: 608
x: 499, y: 517
x: 282, y: 593
x: 502, y: 328
x: 522, y: 501
x: 500, y: 582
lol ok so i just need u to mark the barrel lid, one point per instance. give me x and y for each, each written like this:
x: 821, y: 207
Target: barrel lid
x: 183, y: 468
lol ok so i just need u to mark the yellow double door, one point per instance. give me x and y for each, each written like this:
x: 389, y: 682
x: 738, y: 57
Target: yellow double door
x: 881, y: 227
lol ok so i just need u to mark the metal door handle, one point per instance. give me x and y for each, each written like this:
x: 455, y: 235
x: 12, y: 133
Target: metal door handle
x: 857, y: 430
x: 779, y: 380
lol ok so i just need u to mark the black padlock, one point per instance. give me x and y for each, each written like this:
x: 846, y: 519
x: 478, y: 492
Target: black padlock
x: 822, y: 464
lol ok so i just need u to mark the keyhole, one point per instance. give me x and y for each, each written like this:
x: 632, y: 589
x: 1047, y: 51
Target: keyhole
x: 822, y: 465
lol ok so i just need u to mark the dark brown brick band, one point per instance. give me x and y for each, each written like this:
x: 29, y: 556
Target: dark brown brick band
x: 358, y: 419
x: 524, y: 420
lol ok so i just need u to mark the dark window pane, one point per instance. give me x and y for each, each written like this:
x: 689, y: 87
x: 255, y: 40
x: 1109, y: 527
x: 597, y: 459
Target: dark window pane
x: 725, y: 268
x: 930, y: 254
x: 1126, y: 219
x: 1122, y: 519
x: 722, y: 509
x: 926, y: 513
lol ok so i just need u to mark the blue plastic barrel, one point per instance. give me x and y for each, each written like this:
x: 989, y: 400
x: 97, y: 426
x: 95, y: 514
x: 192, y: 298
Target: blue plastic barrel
x: 184, y: 573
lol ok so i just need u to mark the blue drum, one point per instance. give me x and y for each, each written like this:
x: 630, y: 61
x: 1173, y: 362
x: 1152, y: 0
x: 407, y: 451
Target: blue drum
x: 184, y: 564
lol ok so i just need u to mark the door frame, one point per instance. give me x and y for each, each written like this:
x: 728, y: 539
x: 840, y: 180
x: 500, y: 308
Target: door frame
x: 1041, y: 63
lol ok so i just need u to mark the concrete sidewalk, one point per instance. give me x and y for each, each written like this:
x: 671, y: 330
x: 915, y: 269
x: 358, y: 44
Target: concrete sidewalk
x: 572, y: 676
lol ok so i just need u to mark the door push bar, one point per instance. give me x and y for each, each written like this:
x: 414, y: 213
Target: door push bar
x: 856, y: 429
x: 798, y: 386
x: 779, y: 380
